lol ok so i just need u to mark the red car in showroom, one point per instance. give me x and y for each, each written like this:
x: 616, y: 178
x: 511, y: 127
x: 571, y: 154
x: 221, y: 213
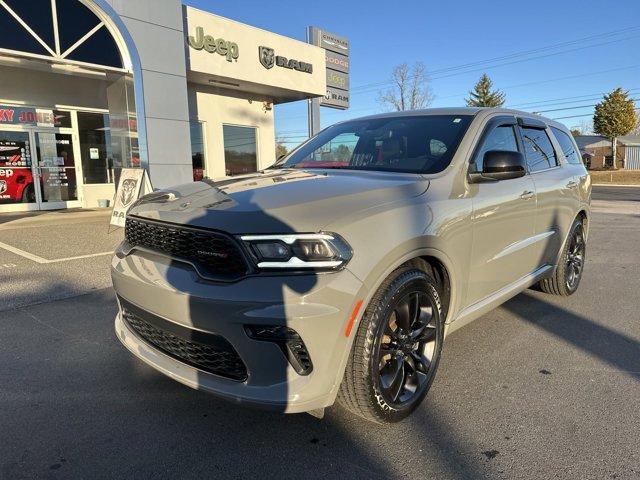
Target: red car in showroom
x: 16, y: 179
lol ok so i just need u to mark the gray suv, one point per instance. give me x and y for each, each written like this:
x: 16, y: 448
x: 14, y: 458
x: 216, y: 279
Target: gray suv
x: 338, y: 272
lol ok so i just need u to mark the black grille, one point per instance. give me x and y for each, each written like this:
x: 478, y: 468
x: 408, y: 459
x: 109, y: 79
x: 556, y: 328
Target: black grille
x: 214, y: 254
x: 217, y: 356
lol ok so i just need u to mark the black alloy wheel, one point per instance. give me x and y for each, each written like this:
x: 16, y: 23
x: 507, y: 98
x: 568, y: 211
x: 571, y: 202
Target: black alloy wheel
x: 566, y: 276
x: 396, y: 349
x: 406, y: 349
x: 575, y: 258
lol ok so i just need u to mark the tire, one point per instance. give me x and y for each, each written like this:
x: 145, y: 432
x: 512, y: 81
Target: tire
x: 369, y: 388
x: 28, y: 194
x: 568, y: 272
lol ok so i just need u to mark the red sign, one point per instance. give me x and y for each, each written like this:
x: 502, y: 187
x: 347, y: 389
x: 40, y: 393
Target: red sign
x: 26, y: 116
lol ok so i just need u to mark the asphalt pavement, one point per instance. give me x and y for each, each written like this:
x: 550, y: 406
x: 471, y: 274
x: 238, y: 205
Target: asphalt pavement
x: 543, y: 387
x: 616, y: 193
x: 48, y: 256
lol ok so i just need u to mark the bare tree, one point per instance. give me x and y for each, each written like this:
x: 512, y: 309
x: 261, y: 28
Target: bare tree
x: 585, y: 127
x: 281, y: 149
x: 410, y: 89
x: 636, y: 131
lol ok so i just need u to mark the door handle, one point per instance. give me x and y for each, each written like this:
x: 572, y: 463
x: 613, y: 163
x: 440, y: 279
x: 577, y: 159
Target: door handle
x: 527, y: 194
x: 572, y: 184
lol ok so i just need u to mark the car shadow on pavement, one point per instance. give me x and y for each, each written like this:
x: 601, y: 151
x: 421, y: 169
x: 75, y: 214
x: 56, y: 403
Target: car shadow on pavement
x: 75, y: 404
x: 614, y: 348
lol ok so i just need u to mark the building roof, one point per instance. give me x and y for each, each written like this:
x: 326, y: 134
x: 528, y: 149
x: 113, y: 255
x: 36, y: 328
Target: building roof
x: 630, y: 140
x: 598, y: 141
x: 592, y: 141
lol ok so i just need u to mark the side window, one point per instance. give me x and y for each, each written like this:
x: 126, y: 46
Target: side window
x: 538, y: 149
x: 501, y: 138
x: 568, y: 146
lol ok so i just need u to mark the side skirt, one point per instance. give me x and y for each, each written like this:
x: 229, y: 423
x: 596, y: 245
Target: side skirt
x: 492, y: 301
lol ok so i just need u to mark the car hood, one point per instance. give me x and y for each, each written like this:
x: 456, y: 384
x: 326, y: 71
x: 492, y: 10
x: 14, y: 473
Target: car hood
x: 279, y: 200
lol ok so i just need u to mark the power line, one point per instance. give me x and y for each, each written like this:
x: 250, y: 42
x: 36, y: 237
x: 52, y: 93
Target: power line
x: 575, y: 108
x: 573, y: 116
x: 504, y: 64
x: 527, y: 84
x: 590, y: 96
x: 514, y: 54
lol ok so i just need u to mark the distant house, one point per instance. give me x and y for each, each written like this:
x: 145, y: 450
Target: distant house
x: 599, y: 151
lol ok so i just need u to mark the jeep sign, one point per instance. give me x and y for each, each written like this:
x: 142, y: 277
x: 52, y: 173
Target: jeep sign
x: 214, y: 45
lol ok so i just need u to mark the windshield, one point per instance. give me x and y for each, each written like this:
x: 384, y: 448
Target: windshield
x: 415, y: 144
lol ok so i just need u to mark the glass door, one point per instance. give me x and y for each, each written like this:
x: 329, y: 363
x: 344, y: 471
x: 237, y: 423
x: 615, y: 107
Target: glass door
x: 56, y: 170
x: 17, y: 186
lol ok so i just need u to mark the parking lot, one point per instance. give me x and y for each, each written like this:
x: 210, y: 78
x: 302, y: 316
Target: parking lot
x: 543, y: 387
x: 54, y: 255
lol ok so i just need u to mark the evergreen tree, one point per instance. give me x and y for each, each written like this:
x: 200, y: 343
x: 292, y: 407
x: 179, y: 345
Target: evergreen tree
x: 483, y: 96
x: 615, y: 116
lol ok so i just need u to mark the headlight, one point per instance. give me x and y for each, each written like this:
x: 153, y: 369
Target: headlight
x: 298, y: 251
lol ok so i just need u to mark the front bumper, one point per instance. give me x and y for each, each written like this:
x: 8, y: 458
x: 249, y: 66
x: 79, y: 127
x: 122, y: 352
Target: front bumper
x: 316, y: 306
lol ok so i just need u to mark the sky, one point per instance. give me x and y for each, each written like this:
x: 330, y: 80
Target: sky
x: 558, y: 55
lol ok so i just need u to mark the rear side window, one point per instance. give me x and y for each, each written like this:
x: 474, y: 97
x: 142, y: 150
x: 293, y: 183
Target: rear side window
x: 568, y: 146
x: 538, y: 149
x: 500, y: 138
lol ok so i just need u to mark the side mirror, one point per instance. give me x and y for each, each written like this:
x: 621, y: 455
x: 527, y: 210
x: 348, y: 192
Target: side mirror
x: 500, y: 165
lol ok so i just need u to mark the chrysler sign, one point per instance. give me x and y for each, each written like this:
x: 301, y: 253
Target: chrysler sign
x: 336, y: 51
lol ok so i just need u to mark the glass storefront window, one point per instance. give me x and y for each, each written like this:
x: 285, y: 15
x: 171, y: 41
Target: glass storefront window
x: 56, y: 167
x: 62, y: 119
x: 123, y: 125
x: 197, y: 149
x: 16, y: 178
x: 95, y: 147
x: 240, y: 150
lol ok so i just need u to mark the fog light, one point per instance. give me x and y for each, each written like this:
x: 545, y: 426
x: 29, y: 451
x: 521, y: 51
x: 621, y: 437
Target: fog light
x: 288, y: 340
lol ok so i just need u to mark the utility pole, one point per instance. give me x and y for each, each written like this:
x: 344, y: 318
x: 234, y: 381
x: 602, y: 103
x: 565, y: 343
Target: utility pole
x: 337, y: 72
x: 314, y: 116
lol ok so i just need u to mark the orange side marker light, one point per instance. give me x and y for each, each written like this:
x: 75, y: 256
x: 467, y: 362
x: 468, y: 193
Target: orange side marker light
x: 352, y: 318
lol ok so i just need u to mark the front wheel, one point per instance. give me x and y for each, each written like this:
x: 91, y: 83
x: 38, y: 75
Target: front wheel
x: 568, y: 272
x: 396, y: 350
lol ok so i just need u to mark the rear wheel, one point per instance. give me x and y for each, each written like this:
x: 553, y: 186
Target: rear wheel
x: 568, y: 272
x: 396, y: 350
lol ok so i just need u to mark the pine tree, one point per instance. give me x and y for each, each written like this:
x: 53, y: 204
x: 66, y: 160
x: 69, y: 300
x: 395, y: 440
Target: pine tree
x: 615, y: 116
x: 483, y: 96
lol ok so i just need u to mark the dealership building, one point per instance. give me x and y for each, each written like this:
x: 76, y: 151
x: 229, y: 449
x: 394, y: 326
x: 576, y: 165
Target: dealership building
x: 88, y: 87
